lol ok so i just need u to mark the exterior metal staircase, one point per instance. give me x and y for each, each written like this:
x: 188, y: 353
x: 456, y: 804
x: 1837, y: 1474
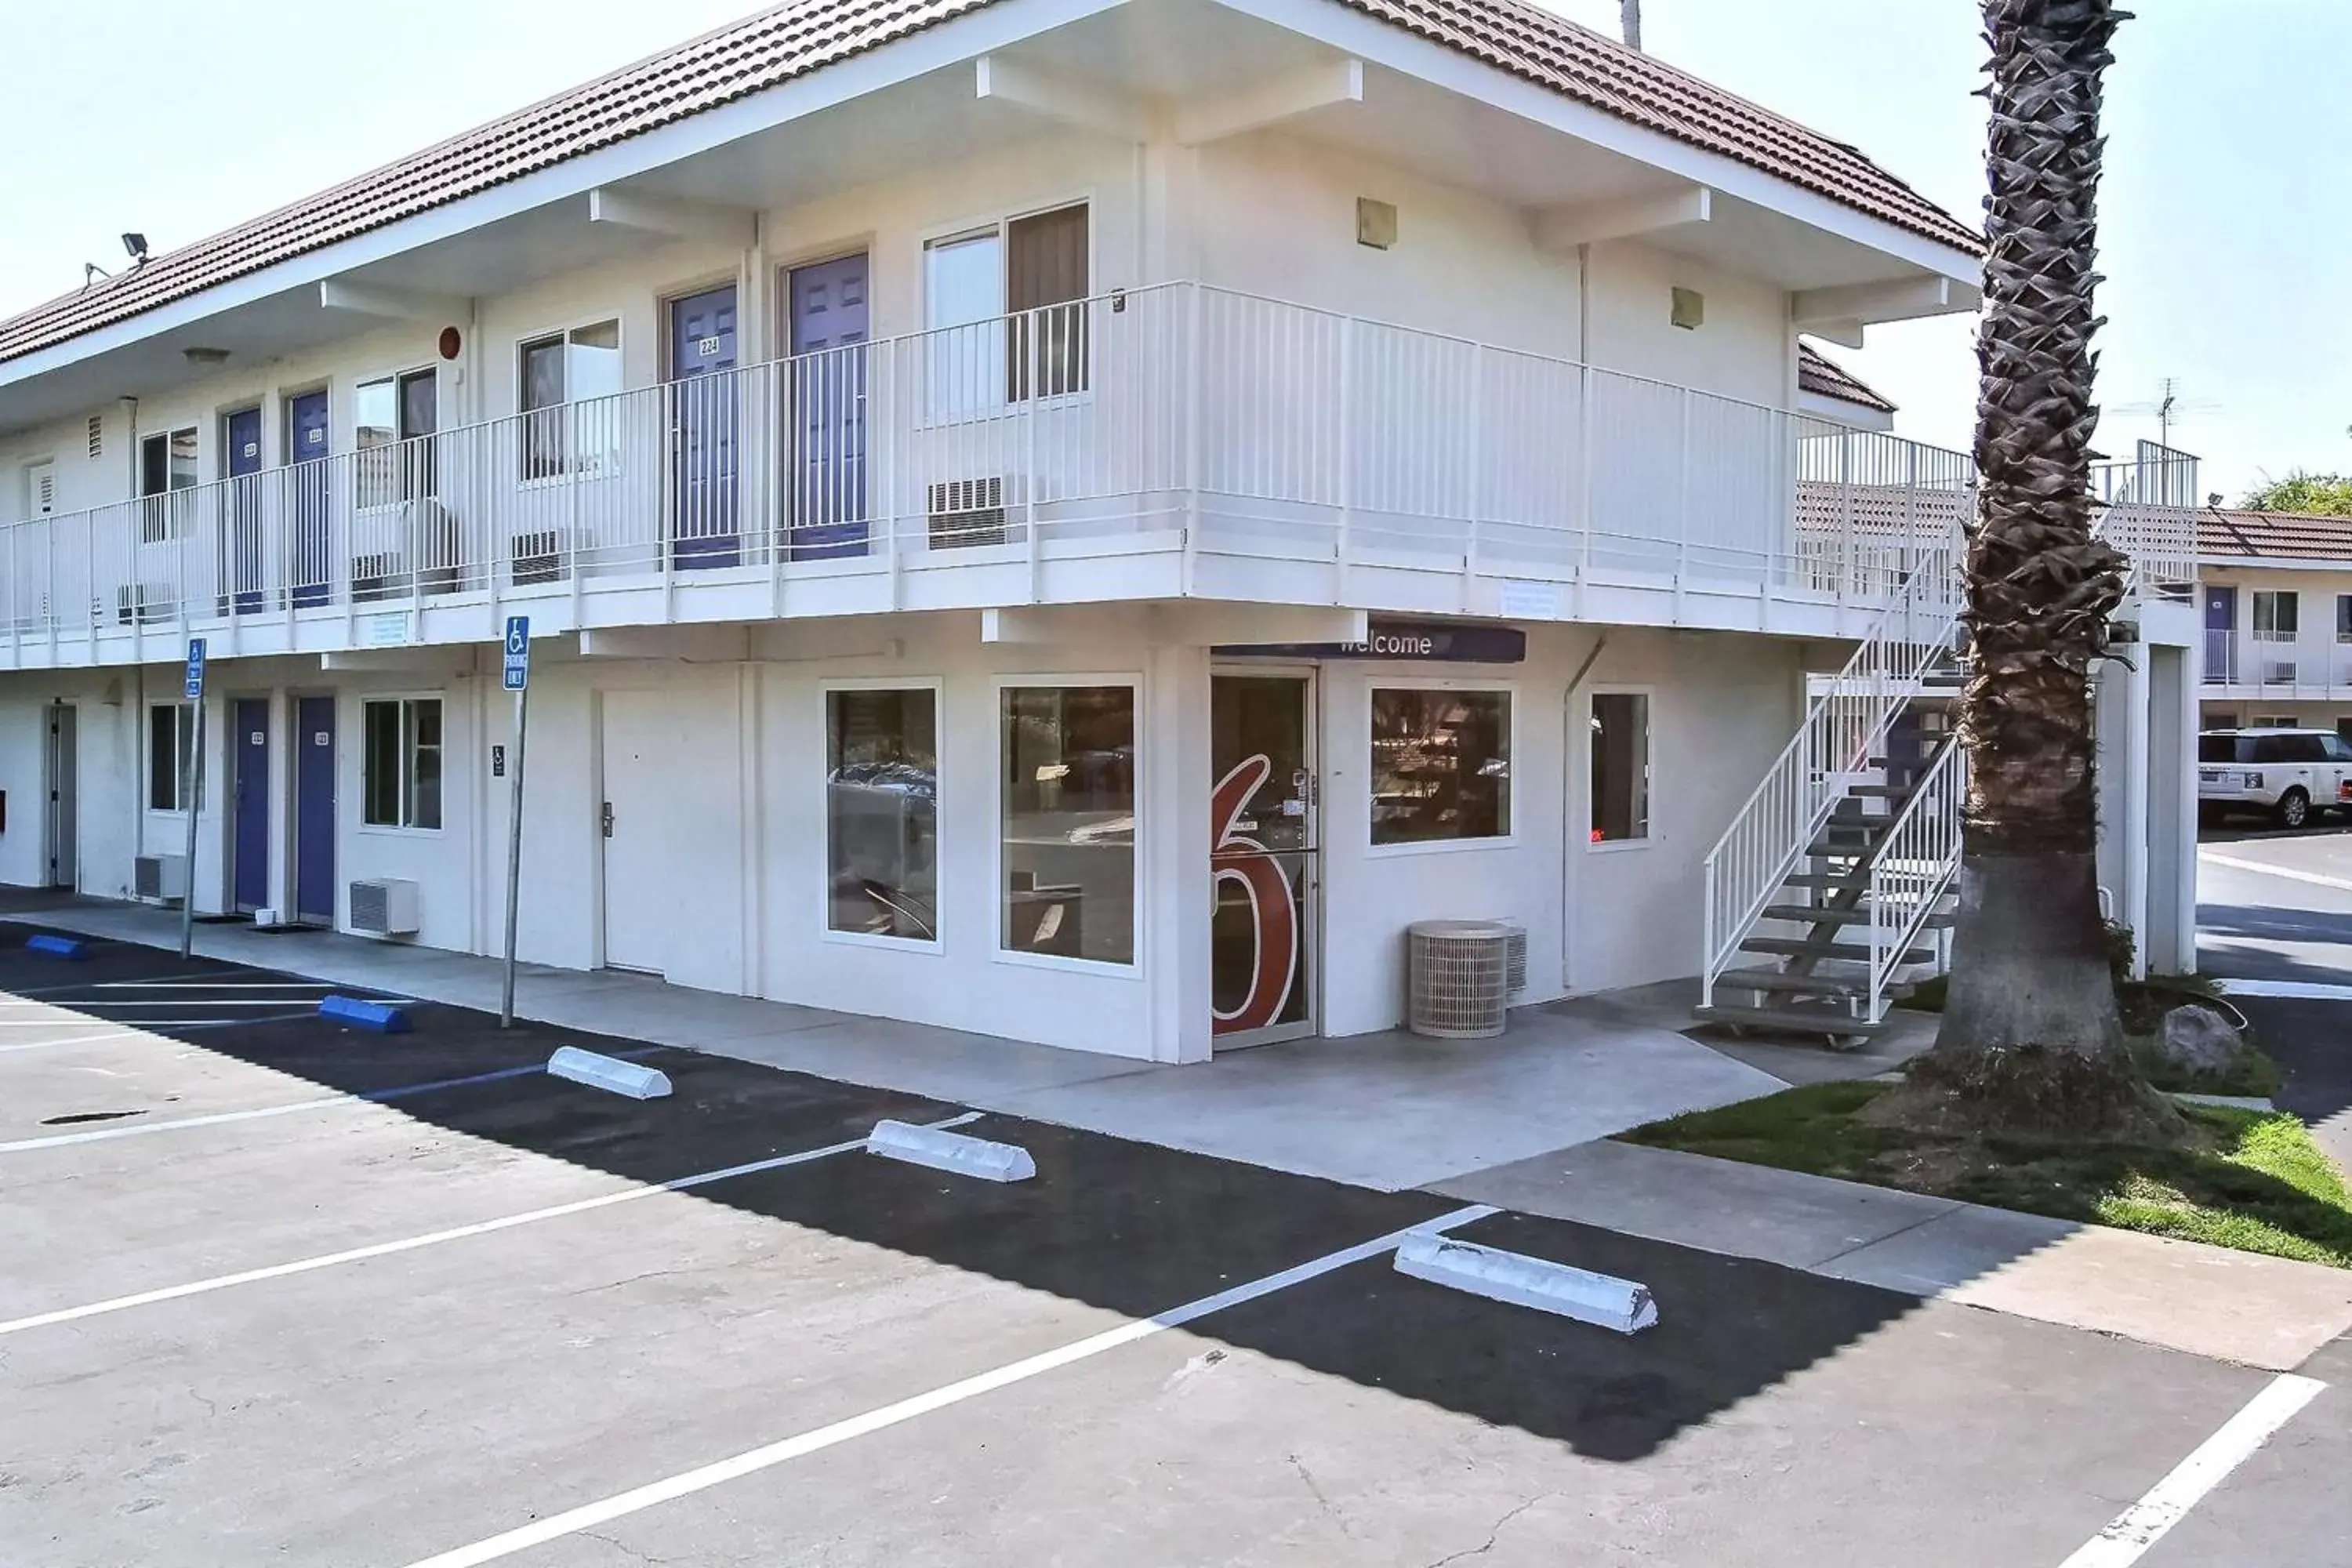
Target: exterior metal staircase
x: 1833, y: 883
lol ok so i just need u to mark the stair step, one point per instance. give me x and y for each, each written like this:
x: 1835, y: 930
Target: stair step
x: 1803, y: 985
x: 1880, y: 791
x: 1807, y: 947
x: 1815, y: 914
x: 1835, y: 881
x: 1791, y: 1020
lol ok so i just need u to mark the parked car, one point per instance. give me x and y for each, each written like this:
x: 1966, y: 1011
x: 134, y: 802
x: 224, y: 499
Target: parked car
x: 2292, y: 776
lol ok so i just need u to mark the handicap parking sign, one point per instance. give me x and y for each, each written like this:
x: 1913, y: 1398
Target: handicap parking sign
x: 518, y: 663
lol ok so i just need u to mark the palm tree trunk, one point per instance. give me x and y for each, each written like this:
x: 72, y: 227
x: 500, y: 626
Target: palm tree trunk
x: 2030, y: 1039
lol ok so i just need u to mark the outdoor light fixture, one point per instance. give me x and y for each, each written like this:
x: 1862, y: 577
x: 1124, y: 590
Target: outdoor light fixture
x: 136, y: 244
x: 204, y: 355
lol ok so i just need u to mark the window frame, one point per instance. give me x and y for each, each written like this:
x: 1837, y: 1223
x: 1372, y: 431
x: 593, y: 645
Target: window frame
x: 1138, y: 969
x: 408, y: 748
x: 403, y: 487
x: 936, y: 686
x: 570, y: 466
x: 2292, y: 598
x: 160, y: 519
x: 1376, y: 682
x: 1657, y: 834
x: 937, y: 411
x: 182, y: 740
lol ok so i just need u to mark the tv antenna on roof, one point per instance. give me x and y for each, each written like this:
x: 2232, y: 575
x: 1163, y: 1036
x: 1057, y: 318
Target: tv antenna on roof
x: 2169, y: 408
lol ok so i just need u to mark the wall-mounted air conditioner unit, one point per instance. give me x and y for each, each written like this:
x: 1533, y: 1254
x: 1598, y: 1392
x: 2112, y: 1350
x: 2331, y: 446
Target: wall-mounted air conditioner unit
x: 384, y: 906
x: 158, y: 879
x: 2278, y: 672
x: 966, y: 513
x: 143, y: 603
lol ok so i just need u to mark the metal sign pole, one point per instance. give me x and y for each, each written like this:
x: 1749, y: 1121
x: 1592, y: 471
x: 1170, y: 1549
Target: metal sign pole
x: 517, y: 680
x: 514, y: 855
x: 192, y: 778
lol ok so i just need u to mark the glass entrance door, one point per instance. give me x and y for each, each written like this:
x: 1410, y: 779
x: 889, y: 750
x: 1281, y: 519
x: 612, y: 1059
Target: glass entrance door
x: 1262, y: 852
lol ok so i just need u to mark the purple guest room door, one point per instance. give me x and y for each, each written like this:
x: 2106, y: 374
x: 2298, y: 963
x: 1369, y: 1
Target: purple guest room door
x: 247, y: 564
x: 702, y: 417
x: 825, y: 481
x: 249, y: 745
x: 2220, y: 623
x: 306, y: 451
x: 314, y: 811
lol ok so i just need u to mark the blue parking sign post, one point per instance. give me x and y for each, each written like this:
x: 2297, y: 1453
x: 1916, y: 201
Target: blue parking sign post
x: 518, y: 680
x: 192, y: 774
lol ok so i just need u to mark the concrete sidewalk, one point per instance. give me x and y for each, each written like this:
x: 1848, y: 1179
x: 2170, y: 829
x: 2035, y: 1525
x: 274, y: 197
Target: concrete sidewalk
x: 1387, y: 1110
x: 2207, y: 1301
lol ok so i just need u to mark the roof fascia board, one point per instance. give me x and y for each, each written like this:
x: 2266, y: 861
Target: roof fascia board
x: 993, y: 27
x: 1869, y: 303
x: 1369, y: 38
x: 2283, y: 562
x: 391, y: 304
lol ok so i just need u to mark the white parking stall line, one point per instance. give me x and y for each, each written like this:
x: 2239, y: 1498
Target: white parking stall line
x: 2237, y: 864
x: 574, y: 1521
x: 2128, y: 1536
x: 102, y: 1036
x: 435, y: 1239
x: 325, y: 1102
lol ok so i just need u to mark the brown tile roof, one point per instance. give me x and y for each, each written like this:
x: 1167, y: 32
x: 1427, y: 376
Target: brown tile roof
x: 2280, y: 535
x: 791, y: 40
x: 1824, y: 377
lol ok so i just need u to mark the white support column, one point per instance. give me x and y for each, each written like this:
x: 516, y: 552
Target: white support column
x: 1174, y: 842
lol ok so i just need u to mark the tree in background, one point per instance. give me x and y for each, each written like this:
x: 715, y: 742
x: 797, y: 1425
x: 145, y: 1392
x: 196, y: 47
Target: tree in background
x: 2030, y: 1038
x: 2326, y: 495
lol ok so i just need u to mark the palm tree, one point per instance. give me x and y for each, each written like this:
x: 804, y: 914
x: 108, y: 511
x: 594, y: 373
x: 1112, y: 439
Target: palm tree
x: 2030, y: 1038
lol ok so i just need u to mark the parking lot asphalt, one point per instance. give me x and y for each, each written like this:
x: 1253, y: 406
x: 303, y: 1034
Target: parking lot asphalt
x: 311, y: 1295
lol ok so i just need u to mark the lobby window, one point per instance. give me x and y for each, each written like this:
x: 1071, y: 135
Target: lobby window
x: 571, y: 416
x: 881, y: 794
x: 402, y: 764
x: 1621, y: 767
x: 1440, y: 765
x: 1067, y: 826
x: 170, y: 731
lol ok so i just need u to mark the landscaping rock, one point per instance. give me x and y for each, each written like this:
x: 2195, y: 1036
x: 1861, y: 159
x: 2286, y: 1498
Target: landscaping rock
x: 2200, y: 1040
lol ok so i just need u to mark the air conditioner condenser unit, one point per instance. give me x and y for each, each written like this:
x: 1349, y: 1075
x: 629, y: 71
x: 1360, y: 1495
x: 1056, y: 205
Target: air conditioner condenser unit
x: 384, y: 906
x: 159, y: 879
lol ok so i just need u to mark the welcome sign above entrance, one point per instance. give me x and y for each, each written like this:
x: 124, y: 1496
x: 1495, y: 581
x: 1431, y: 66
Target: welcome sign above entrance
x: 1416, y: 642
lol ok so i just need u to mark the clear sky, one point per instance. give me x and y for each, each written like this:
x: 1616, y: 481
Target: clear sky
x: 2227, y: 217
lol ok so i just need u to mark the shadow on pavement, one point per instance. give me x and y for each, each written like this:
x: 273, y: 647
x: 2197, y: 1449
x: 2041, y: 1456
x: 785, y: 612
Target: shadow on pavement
x: 1122, y: 1226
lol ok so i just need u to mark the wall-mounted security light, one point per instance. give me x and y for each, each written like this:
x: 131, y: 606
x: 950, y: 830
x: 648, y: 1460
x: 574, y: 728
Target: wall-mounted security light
x: 1376, y: 223
x: 204, y: 355
x: 135, y: 245
x: 1688, y: 309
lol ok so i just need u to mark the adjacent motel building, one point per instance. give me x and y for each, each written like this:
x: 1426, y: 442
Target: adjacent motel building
x: 1073, y: 519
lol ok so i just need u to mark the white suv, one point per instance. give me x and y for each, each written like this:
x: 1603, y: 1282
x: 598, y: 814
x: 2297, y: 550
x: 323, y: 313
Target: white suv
x: 2293, y: 775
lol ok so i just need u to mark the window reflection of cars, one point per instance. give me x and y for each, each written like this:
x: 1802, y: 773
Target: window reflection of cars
x: 883, y: 823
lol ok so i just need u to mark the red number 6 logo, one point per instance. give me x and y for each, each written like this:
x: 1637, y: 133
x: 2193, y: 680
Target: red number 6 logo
x: 1274, y: 916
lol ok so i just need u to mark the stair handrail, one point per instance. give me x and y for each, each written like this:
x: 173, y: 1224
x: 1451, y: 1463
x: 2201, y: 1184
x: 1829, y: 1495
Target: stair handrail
x: 1770, y: 832
x: 1914, y: 866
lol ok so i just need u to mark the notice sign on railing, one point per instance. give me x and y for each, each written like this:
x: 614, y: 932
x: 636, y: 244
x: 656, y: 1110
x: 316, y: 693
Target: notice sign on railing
x: 1423, y: 642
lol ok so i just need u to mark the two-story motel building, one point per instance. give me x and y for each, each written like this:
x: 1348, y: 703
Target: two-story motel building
x: 1076, y: 519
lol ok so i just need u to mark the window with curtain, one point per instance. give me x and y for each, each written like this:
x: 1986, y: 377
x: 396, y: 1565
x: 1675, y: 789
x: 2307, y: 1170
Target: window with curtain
x: 1005, y: 306
x: 571, y: 415
x: 393, y: 416
x: 167, y: 465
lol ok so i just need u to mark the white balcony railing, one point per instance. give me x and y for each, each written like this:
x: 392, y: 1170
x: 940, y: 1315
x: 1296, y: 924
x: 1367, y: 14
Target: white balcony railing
x: 1180, y: 417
